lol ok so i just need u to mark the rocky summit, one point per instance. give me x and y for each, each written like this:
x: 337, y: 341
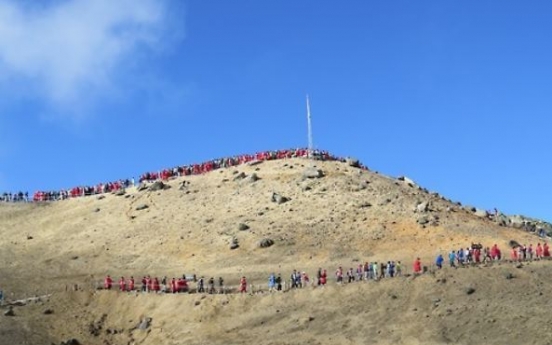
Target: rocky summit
x: 252, y: 220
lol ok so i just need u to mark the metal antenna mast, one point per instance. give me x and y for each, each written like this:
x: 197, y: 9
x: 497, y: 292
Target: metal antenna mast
x: 310, y: 147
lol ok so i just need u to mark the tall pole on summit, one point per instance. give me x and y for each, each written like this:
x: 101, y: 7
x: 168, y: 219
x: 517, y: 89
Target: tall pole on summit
x: 309, y: 124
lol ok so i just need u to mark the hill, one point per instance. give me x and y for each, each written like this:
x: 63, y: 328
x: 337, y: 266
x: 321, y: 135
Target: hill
x: 343, y: 218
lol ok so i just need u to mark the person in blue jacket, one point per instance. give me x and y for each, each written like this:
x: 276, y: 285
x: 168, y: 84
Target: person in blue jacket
x: 271, y: 282
x: 439, y: 261
x: 452, y: 258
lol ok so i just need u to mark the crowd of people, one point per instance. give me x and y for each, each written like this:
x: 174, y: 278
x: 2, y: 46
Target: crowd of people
x: 165, y: 174
x: 475, y: 254
x: 14, y: 197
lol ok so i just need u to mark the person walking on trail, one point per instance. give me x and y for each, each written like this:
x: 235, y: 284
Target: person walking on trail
x: 108, y: 282
x: 149, y: 282
x: 144, y: 284
x: 122, y: 284
x: 538, y: 251
x: 514, y: 254
x: 359, y: 272
x: 294, y: 280
x: 545, y: 250
x: 452, y: 258
x: 439, y: 261
x: 271, y: 282
x: 496, y: 254
x: 243, y: 285
x: 350, y: 275
x: 339, y: 275
x: 318, y: 275
x: 155, y: 285
x: 279, y: 282
x: 417, y: 266
x: 131, y: 284
x: 174, y: 286
x: 367, y: 269
x: 201, y: 285
x: 477, y: 255
x: 398, y: 269
x: 212, y: 285
x: 460, y: 257
x: 323, y: 278
x: 221, y: 285
x: 305, y: 280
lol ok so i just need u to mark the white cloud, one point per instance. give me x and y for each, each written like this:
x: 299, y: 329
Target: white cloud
x: 69, y: 51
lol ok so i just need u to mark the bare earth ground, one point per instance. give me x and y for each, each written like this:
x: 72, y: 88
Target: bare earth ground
x: 348, y: 216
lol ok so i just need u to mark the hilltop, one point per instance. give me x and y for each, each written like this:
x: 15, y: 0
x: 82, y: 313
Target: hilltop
x: 340, y: 215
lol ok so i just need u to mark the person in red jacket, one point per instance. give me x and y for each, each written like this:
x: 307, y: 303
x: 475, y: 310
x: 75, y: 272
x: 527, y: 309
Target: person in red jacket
x: 493, y: 252
x: 131, y: 284
x: 323, y: 277
x: 417, y: 266
x: 477, y: 255
x: 243, y: 285
x: 122, y: 284
x: 514, y: 254
x: 545, y: 250
x: 538, y: 251
x: 174, y: 286
x: 108, y: 282
x: 155, y: 285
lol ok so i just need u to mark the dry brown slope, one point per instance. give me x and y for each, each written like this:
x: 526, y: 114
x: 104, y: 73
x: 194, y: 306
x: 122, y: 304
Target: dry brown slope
x: 345, y: 216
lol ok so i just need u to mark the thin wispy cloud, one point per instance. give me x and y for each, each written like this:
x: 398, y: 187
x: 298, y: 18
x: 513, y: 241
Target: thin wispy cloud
x: 69, y: 52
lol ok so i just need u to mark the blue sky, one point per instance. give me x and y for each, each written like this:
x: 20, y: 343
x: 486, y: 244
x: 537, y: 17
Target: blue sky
x: 455, y: 95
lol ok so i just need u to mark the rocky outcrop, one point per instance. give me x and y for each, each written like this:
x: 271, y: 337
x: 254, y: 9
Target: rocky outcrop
x: 158, y: 185
x: 142, y: 186
x: 407, y: 180
x: 239, y: 176
x: 141, y: 207
x: 120, y: 192
x: 243, y: 227
x: 313, y: 172
x: 353, y: 162
x: 266, y: 242
x: 252, y: 178
x: 279, y: 199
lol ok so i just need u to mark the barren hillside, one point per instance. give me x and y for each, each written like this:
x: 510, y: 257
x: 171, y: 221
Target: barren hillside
x: 344, y: 218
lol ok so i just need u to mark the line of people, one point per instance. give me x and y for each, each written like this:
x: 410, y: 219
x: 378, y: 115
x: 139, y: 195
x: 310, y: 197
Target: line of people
x: 183, y: 170
x: 175, y: 285
x: 14, y: 197
x: 369, y: 271
x: 476, y: 254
